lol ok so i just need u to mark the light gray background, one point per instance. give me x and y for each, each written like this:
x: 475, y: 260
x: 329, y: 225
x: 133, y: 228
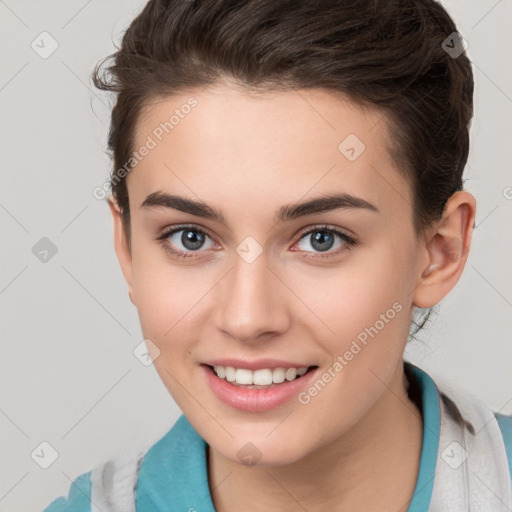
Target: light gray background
x: 68, y: 374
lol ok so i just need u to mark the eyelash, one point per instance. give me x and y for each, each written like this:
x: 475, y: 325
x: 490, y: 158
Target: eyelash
x: 349, y: 241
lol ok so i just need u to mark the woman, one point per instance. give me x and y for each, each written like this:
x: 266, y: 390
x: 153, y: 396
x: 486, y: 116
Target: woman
x: 286, y: 193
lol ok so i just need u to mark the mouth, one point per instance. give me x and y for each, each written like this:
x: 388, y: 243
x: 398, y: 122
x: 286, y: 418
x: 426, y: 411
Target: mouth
x: 257, y: 390
x: 264, y: 378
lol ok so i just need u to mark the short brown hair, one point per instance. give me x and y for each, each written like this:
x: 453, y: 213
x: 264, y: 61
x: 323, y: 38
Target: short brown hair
x: 383, y: 52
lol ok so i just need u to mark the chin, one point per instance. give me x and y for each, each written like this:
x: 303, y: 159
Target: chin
x: 261, y: 453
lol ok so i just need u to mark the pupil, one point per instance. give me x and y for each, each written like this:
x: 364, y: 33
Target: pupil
x: 192, y: 240
x: 319, y: 240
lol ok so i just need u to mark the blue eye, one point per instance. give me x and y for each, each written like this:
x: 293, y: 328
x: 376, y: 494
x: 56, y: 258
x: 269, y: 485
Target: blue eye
x: 192, y: 239
x: 323, y: 238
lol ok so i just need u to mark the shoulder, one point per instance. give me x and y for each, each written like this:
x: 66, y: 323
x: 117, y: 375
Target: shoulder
x: 78, y: 498
x: 505, y: 424
x: 465, y: 406
x: 109, y: 486
x: 181, y: 455
x: 116, y: 484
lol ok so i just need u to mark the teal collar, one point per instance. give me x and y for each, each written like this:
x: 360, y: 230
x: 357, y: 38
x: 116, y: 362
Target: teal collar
x: 431, y: 425
x: 173, y: 474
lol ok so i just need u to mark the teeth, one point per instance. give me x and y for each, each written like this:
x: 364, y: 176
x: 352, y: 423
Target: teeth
x: 243, y: 376
x: 230, y: 374
x: 291, y: 373
x: 278, y: 375
x: 262, y: 377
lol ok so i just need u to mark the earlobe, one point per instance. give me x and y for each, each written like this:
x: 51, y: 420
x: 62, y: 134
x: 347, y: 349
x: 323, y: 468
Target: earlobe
x: 121, y: 246
x: 447, y: 249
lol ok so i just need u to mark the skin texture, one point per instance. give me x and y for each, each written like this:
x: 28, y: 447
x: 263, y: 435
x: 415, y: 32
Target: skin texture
x: 357, y: 444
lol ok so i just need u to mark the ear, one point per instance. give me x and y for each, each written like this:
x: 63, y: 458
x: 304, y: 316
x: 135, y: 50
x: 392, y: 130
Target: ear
x: 446, y: 249
x: 121, y: 245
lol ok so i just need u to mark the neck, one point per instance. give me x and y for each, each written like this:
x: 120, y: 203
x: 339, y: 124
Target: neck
x: 374, y: 466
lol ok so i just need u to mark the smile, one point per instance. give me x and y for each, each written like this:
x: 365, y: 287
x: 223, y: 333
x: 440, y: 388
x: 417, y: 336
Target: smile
x: 257, y: 390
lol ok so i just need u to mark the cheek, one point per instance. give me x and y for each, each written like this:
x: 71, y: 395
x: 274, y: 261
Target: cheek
x: 367, y: 314
x: 353, y: 297
x: 168, y: 303
x: 165, y: 295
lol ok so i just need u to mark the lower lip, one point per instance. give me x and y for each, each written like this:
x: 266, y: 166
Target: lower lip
x: 255, y: 400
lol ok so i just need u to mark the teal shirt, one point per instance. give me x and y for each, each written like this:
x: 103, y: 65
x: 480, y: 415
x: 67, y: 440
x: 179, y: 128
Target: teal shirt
x: 174, y: 470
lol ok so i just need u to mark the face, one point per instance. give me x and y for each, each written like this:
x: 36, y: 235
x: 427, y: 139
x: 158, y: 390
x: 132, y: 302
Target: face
x: 265, y: 284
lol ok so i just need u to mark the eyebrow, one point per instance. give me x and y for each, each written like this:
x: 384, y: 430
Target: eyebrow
x: 286, y: 213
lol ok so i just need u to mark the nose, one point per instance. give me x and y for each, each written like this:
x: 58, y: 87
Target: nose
x: 251, y: 302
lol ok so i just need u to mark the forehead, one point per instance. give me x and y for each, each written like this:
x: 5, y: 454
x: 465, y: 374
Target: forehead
x: 223, y: 143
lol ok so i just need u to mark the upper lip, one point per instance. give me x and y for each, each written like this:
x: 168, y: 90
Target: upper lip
x: 258, y: 364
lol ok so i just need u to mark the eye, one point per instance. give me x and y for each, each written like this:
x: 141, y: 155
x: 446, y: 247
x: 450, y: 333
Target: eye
x: 184, y: 241
x: 323, y: 238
